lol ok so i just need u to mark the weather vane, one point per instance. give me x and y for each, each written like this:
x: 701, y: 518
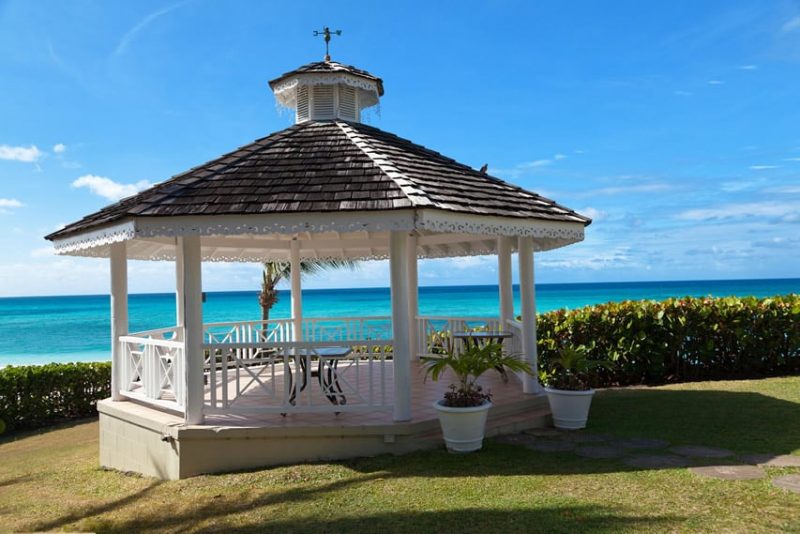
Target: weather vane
x: 327, y: 33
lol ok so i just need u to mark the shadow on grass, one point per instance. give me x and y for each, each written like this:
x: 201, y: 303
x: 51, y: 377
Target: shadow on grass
x: 16, y: 480
x: 91, y: 511
x: 567, y: 518
x: 15, y: 435
x: 745, y: 422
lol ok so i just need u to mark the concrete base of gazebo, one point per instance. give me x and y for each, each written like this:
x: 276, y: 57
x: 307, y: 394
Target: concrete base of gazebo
x: 142, y: 439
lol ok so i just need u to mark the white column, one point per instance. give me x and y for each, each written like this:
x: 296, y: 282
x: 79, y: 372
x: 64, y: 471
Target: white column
x: 527, y: 292
x: 119, y: 315
x: 413, y: 296
x: 504, y: 281
x: 398, y: 266
x: 193, y: 328
x: 180, y: 316
x: 295, y: 273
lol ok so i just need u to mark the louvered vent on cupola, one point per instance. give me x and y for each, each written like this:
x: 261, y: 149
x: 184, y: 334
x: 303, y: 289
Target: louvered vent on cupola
x: 302, y: 104
x: 347, y: 103
x: 322, y: 102
x: 327, y: 91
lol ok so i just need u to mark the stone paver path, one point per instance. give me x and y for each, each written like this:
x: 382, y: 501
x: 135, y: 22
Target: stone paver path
x: 788, y: 482
x: 771, y: 460
x: 656, y: 461
x: 581, y: 436
x: 600, y: 451
x: 551, y: 446
x: 650, y: 453
x: 642, y: 443
x: 698, y: 451
x: 730, y: 472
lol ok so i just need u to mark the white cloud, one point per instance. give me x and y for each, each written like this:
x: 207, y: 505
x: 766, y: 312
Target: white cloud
x: 108, y: 188
x: 10, y: 203
x: 748, y: 67
x: 716, y: 82
x: 792, y: 24
x: 620, y: 257
x: 786, y: 211
x: 29, y: 154
x: 59, y: 148
x: 593, y: 213
x: 763, y: 167
x: 558, y: 157
x: 536, y: 163
x: 741, y: 185
x: 682, y: 93
x: 128, y: 38
x: 788, y: 189
x: 42, y: 252
x: 791, y: 159
x: 642, y: 188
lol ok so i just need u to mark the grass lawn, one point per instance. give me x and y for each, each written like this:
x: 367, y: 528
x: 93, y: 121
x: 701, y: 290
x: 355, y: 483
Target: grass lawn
x: 50, y: 480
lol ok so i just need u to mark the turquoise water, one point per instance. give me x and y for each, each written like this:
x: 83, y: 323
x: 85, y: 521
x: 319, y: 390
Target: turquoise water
x: 45, y: 329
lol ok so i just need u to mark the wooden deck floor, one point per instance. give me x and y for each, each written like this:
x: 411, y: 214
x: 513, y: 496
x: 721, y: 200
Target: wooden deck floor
x: 356, y: 384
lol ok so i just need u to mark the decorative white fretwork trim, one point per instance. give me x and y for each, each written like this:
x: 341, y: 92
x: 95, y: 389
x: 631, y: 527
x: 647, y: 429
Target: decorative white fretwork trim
x: 286, y: 91
x: 357, y: 235
x: 92, y: 239
x: 461, y: 223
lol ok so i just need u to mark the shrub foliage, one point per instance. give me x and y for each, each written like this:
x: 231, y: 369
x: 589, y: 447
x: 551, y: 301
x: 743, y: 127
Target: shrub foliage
x: 33, y: 396
x: 675, y: 340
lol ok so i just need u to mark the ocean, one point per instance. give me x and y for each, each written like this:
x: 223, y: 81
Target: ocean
x: 35, y: 330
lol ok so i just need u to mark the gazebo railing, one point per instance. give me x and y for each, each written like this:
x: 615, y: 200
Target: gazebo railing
x: 274, y: 330
x: 299, y: 377
x: 342, y: 364
x: 152, y: 368
x: 432, y: 331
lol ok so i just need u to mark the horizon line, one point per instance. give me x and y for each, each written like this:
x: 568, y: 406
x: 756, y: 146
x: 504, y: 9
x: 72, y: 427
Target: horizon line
x: 423, y: 287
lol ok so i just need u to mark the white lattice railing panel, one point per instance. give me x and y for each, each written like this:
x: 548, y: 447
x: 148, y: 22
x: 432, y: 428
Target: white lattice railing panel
x: 275, y: 330
x: 152, y: 370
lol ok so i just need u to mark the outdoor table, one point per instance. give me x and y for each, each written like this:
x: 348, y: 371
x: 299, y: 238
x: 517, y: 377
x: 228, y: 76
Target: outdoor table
x: 329, y: 358
x: 487, y: 336
x: 476, y: 338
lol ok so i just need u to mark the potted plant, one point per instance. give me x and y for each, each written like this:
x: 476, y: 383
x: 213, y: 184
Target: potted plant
x: 465, y: 406
x: 568, y: 384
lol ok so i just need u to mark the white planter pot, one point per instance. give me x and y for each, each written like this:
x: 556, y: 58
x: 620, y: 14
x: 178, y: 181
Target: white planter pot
x: 463, y: 428
x: 570, y: 409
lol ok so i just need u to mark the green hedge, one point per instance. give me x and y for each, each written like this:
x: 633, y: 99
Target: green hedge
x: 682, y: 339
x: 33, y: 396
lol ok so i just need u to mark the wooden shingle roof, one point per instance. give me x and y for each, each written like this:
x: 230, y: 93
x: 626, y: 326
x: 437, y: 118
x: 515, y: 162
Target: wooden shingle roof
x: 328, y: 166
x: 329, y: 67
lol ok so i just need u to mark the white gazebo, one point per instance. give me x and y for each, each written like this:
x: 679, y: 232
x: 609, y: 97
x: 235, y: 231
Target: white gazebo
x: 193, y: 397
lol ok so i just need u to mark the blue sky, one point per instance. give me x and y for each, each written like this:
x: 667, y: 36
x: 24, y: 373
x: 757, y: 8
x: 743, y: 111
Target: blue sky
x: 675, y: 125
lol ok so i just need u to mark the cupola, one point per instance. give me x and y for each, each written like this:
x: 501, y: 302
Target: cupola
x: 327, y: 90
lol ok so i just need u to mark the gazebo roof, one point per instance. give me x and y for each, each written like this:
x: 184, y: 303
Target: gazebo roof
x: 328, y: 67
x: 332, y: 166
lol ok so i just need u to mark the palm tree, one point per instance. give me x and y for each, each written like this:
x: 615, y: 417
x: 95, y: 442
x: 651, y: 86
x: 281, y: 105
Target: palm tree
x: 275, y: 271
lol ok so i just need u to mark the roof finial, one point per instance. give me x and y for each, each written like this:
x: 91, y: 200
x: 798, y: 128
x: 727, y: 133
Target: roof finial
x: 327, y: 33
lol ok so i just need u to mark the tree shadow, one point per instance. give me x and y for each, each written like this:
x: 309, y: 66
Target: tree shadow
x: 16, y: 480
x: 567, y: 518
x: 220, y: 506
x: 91, y: 511
x: 550, y: 519
x: 15, y: 435
x: 745, y: 422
